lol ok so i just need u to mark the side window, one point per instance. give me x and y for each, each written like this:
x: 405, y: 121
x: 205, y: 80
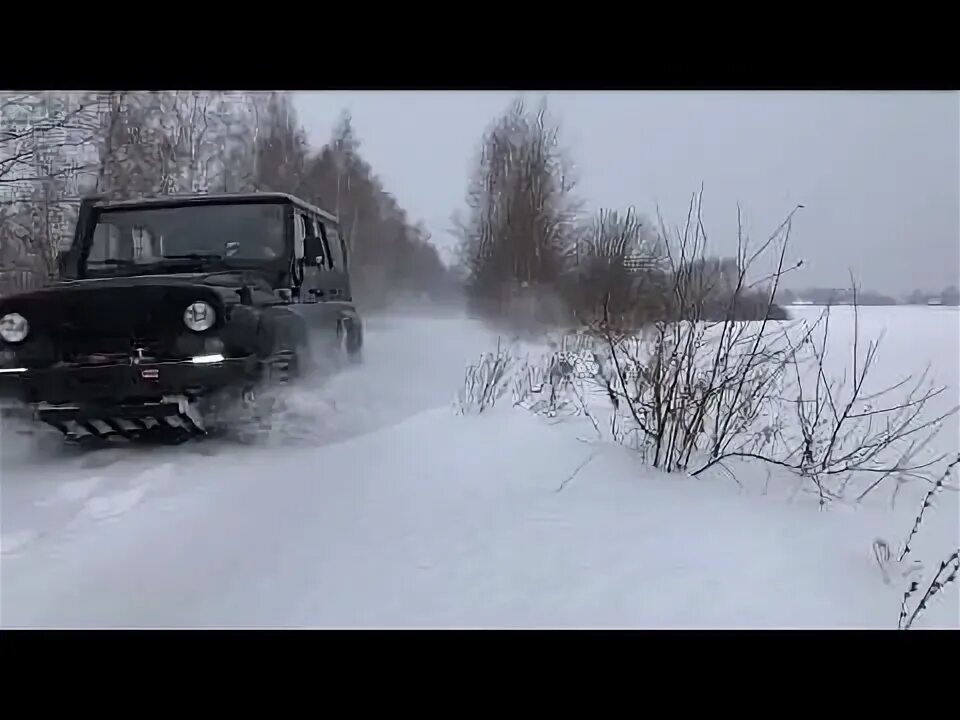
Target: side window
x: 307, y: 228
x: 104, y: 238
x: 299, y: 232
x: 322, y: 234
x: 145, y: 245
x: 307, y: 225
x: 108, y: 242
x: 336, y: 249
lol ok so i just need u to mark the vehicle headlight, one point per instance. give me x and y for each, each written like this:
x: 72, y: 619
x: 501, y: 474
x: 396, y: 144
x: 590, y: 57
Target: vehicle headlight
x: 199, y: 316
x: 14, y: 328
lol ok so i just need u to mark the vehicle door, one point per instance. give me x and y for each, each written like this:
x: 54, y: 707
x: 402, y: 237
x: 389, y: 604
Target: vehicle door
x: 310, y: 300
x: 302, y: 228
x: 337, y: 278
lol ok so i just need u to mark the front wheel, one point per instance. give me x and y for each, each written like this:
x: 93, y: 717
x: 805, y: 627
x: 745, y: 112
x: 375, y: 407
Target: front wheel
x: 354, y: 356
x: 247, y: 415
x: 352, y: 343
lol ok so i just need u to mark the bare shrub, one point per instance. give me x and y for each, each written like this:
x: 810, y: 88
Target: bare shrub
x: 553, y: 386
x: 927, y: 503
x: 550, y: 385
x: 946, y: 571
x: 689, y: 384
x: 702, y: 391
x: 485, y: 382
x: 846, y: 431
x: 692, y: 392
x: 946, y: 574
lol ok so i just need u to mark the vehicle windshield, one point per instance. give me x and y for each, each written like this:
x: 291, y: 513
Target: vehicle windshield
x: 200, y: 233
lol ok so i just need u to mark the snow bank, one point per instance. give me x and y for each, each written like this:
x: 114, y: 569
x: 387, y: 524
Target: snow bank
x: 439, y: 523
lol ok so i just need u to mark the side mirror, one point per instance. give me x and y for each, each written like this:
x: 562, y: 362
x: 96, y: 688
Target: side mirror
x: 313, y: 251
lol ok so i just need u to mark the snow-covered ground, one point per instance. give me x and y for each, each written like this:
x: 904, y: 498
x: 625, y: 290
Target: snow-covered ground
x: 379, y: 507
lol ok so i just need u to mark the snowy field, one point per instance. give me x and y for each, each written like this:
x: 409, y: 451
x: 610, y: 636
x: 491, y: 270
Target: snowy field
x: 378, y: 506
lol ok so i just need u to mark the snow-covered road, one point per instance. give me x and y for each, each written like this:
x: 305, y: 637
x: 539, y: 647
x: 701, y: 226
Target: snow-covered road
x: 50, y: 496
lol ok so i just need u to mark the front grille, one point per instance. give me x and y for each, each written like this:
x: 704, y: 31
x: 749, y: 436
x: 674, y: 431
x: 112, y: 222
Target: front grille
x: 74, y: 348
x: 95, y: 350
x: 97, y: 324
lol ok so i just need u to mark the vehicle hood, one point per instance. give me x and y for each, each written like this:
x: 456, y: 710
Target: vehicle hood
x: 224, y: 284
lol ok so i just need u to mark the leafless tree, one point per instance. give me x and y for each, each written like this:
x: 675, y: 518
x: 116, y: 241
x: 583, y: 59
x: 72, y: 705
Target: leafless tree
x: 391, y: 256
x: 134, y: 144
x: 37, y: 130
x: 44, y: 149
x: 521, y: 211
x: 280, y: 147
x: 616, y: 266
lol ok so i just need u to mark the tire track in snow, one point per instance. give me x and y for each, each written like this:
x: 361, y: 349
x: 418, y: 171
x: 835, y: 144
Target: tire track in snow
x: 74, y: 504
x: 411, y: 364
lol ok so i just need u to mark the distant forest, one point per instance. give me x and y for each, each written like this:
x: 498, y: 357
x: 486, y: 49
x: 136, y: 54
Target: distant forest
x: 530, y: 248
x: 56, y: 147
x: 844, y: 296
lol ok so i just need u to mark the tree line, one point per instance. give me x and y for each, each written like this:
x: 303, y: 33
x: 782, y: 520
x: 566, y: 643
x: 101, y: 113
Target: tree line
x: 530, y: 249
x: 533, y: 253
x: 845, y: 296
x: 56, y: 147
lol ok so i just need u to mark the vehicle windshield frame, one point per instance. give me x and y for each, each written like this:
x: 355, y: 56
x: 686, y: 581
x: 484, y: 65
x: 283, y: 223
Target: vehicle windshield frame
x: 83, y: 268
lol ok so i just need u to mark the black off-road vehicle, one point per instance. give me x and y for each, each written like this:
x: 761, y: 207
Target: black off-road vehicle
x: 170, y: 308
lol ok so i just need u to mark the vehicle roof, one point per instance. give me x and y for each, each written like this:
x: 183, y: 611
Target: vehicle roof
x: 212, y: 199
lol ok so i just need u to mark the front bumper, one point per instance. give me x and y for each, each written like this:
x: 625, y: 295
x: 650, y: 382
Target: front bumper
x: 125, y: 383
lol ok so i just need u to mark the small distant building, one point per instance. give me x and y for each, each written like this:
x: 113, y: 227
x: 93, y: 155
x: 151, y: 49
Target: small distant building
x: 934, y: 301
x: 639, y: 263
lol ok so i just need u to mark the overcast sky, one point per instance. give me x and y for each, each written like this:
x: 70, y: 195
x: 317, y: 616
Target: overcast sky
x: 877, y: 172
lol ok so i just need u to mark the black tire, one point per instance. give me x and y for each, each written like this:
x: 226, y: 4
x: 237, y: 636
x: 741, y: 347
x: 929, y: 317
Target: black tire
x: 248, y: 419
x: 353, y: 344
